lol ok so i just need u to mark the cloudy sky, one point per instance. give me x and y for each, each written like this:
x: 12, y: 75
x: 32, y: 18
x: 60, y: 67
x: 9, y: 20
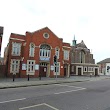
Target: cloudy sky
x: 88, y: 20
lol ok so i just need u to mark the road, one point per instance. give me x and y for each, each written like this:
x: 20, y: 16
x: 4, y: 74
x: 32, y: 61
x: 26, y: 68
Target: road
x: 91, y: 95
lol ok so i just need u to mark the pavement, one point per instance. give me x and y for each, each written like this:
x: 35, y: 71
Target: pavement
x: 23, y: 82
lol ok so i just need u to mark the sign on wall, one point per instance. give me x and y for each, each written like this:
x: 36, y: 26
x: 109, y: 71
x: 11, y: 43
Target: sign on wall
x: 24, y: 66
x: 44, y: 58
x: 36, y: 67
x: 52, y: 67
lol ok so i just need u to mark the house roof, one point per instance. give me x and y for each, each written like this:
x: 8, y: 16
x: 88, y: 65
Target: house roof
x: 107, y: 60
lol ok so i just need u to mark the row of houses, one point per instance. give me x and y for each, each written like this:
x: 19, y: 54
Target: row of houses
x: 33, y: 53
x: 104, y: 66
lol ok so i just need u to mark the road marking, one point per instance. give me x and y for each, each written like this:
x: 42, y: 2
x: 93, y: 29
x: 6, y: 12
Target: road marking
x: 70, y: 91
x: 31, y: 106
x: 12, y: 100
x: 38, y: 106
x: 51, y: 106
x: 68, y: 86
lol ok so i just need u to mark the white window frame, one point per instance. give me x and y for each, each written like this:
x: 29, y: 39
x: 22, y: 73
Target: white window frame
x: 45, y: 53
x: 46, y: 35
x: 66, y: 54
x: 16, y: 49
x: 32, y: 50
x: 57, y: 52
x: 85, y: 68
x: 90, y: 69
x: 58, y: 68
x: 14, y: 67
x: 31, y: 66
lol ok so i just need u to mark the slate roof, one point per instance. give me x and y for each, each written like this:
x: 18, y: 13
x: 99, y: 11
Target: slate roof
x: 82, y: 44
x: 107, y: 60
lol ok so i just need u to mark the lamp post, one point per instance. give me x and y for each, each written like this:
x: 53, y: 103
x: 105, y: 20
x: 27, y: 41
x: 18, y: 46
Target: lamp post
x: 55, y: 64
x: 14, y: 76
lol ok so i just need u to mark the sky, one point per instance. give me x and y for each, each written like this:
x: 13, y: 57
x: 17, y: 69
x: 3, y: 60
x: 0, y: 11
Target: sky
x: 88, y: 20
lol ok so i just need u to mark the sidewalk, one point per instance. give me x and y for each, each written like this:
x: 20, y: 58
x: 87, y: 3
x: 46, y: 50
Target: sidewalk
x: 23, y: 82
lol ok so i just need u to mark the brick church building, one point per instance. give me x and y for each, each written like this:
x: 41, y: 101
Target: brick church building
x: 82, y: 61
x: 32, y: 54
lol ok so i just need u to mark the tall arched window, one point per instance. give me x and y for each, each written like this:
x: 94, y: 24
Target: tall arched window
x: 45, y: 50
x: 57, y: 52
x: 82, y: 56
x: 32, y: 48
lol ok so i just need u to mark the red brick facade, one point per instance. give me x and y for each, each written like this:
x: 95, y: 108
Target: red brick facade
x: 43, y: 66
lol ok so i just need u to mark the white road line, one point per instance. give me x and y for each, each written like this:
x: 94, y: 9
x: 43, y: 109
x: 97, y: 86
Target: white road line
x: 32, y: 106
x: 12, y: 100
x: 38, y: 106
x: 70, y: 91
x: 68, y: 86
x: 51, y: 106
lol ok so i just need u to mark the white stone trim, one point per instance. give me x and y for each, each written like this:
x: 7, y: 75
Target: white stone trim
x: 94, y: 70
x: 30, y: 72
x: 14, y: 65
x: 17, y: 39
x: 66, y: 47
x: 20, y: 44
x: 85, y: 64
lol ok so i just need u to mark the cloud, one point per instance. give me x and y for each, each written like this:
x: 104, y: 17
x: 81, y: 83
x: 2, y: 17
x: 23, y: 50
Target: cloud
x: 89, y: 20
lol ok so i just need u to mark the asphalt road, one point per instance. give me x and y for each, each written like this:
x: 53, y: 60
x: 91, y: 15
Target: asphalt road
x: 93, y: 95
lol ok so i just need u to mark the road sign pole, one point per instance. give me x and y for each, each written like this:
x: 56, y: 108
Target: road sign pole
x: 56, y: 70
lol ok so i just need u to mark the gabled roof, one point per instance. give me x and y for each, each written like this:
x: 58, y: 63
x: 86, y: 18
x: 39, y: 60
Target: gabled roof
x: 82, y: 44
x: 107, y: 60
x: 47, y: 29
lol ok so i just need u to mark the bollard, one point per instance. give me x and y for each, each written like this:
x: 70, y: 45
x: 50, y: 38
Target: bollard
x: 13, y: 77
x: 39, y: 76
x: 28, y: 77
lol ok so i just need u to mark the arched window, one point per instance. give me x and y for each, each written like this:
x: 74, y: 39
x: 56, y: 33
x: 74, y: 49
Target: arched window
x: 32, y: 48
x: 45, y: 50
x: 82, y: 56
x: 57, y: 52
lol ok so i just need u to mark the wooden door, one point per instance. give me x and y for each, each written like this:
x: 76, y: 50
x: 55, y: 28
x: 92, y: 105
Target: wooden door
x: 79, y: 71
x: 43, y: 71
x: 96, y: 72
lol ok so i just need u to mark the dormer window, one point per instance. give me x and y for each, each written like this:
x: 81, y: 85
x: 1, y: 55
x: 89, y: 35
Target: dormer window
x: 46, y: 35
